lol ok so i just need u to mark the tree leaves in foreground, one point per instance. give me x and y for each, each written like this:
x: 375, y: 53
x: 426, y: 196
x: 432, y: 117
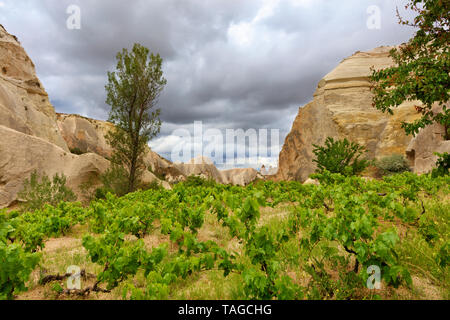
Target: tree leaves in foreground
x: 422, y: 68
x: 132, y: 92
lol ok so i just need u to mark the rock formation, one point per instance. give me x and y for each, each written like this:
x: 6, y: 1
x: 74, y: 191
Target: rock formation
x: 205, y: 168
x: 88, y: 135
x: 33, y: 139
x: 342, y: 108
x: 21, y: 154
x: 84, y: 134
x: 240, y: 176
x: 24, y: 104
x: 270, y: 171
x: 421, y: 149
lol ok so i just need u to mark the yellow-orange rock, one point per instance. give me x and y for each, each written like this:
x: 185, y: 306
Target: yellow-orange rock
x: 342, y: 108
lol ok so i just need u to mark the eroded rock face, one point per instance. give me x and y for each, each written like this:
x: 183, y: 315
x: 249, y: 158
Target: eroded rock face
x: 88, y: 135
x: 420, y: 151
x: 21, y: 154
x: 240, y: 176
x: 24, y: 103
x: 84, y: 134
x: 342, y: 108
x: 32, y: 138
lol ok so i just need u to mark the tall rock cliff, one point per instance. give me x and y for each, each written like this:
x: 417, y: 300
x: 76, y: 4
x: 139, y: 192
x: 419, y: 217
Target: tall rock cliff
x: 342, y: 108
x: 30, y: 137
x: 24, y: 103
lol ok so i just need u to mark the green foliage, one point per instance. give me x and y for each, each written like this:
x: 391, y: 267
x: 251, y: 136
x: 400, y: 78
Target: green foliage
x: 132, y: 92
x: 40, y: 191
x: 21, y: 235
x: 393, y: 164
x: 422, y: 68
x: 120, y: 258
x: 196, y: 181
x: 16, y: 267
x: 442, y: 165
x: 331, y: 235
x: 154, y: 185
x: 115, y: 180
x: 443, y: 258
x: 77, y: 151
x: 340, y: 156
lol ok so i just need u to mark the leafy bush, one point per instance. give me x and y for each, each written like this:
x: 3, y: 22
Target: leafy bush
x: 196, y: 181
x: 17, y: 266
x: 154, y: 185
x: 114, y: 180
x: 393, y: 164
x: 77, y: 151
x: 340, y: 156
x: 442, y: 165
x: 40, y: 191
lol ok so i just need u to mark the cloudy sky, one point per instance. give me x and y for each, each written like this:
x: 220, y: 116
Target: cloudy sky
x: 229, y: 63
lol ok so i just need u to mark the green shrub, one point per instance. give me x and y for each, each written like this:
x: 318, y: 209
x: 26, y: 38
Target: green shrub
x: 196, y: 181
x: 77, y: 151
x: 154, y: 185
x: 87, y: 190
x: 442, y: 165
x: 393, y: 164
x: 100, y: 193
x: 340, y: 156
x: 114, y: 180
x: 37, y: 191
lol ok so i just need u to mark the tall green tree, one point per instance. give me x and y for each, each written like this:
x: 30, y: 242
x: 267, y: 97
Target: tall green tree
x: 422, y: 67
x: 132, y: 92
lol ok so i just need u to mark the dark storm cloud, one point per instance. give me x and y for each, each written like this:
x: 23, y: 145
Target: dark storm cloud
x: 229, y: 63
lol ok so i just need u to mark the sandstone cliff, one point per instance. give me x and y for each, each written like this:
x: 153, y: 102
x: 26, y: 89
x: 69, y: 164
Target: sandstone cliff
x: 342, y: 107
x: 33, y: 139
x: 24, y: 103
x: 21, y: 154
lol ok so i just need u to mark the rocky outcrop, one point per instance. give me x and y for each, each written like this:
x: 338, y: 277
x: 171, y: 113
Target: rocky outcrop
x: 205, y: 168
x: 240, y: 176
x: 33, y: 139
x: 24, y: 103
x: 88, y: 135
x: 200, y: 166
x: 420, y: 151
x: 342, y: 108
x: 269, y: 171
x: 84, y: 134
x: 21, y: 154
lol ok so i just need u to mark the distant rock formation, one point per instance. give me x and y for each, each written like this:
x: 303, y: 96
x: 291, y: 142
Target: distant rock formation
x: 204, y: 167
x: 270, y: 171
x: 342, y: 108
x: 240, y: 176
x: 88, y: 135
